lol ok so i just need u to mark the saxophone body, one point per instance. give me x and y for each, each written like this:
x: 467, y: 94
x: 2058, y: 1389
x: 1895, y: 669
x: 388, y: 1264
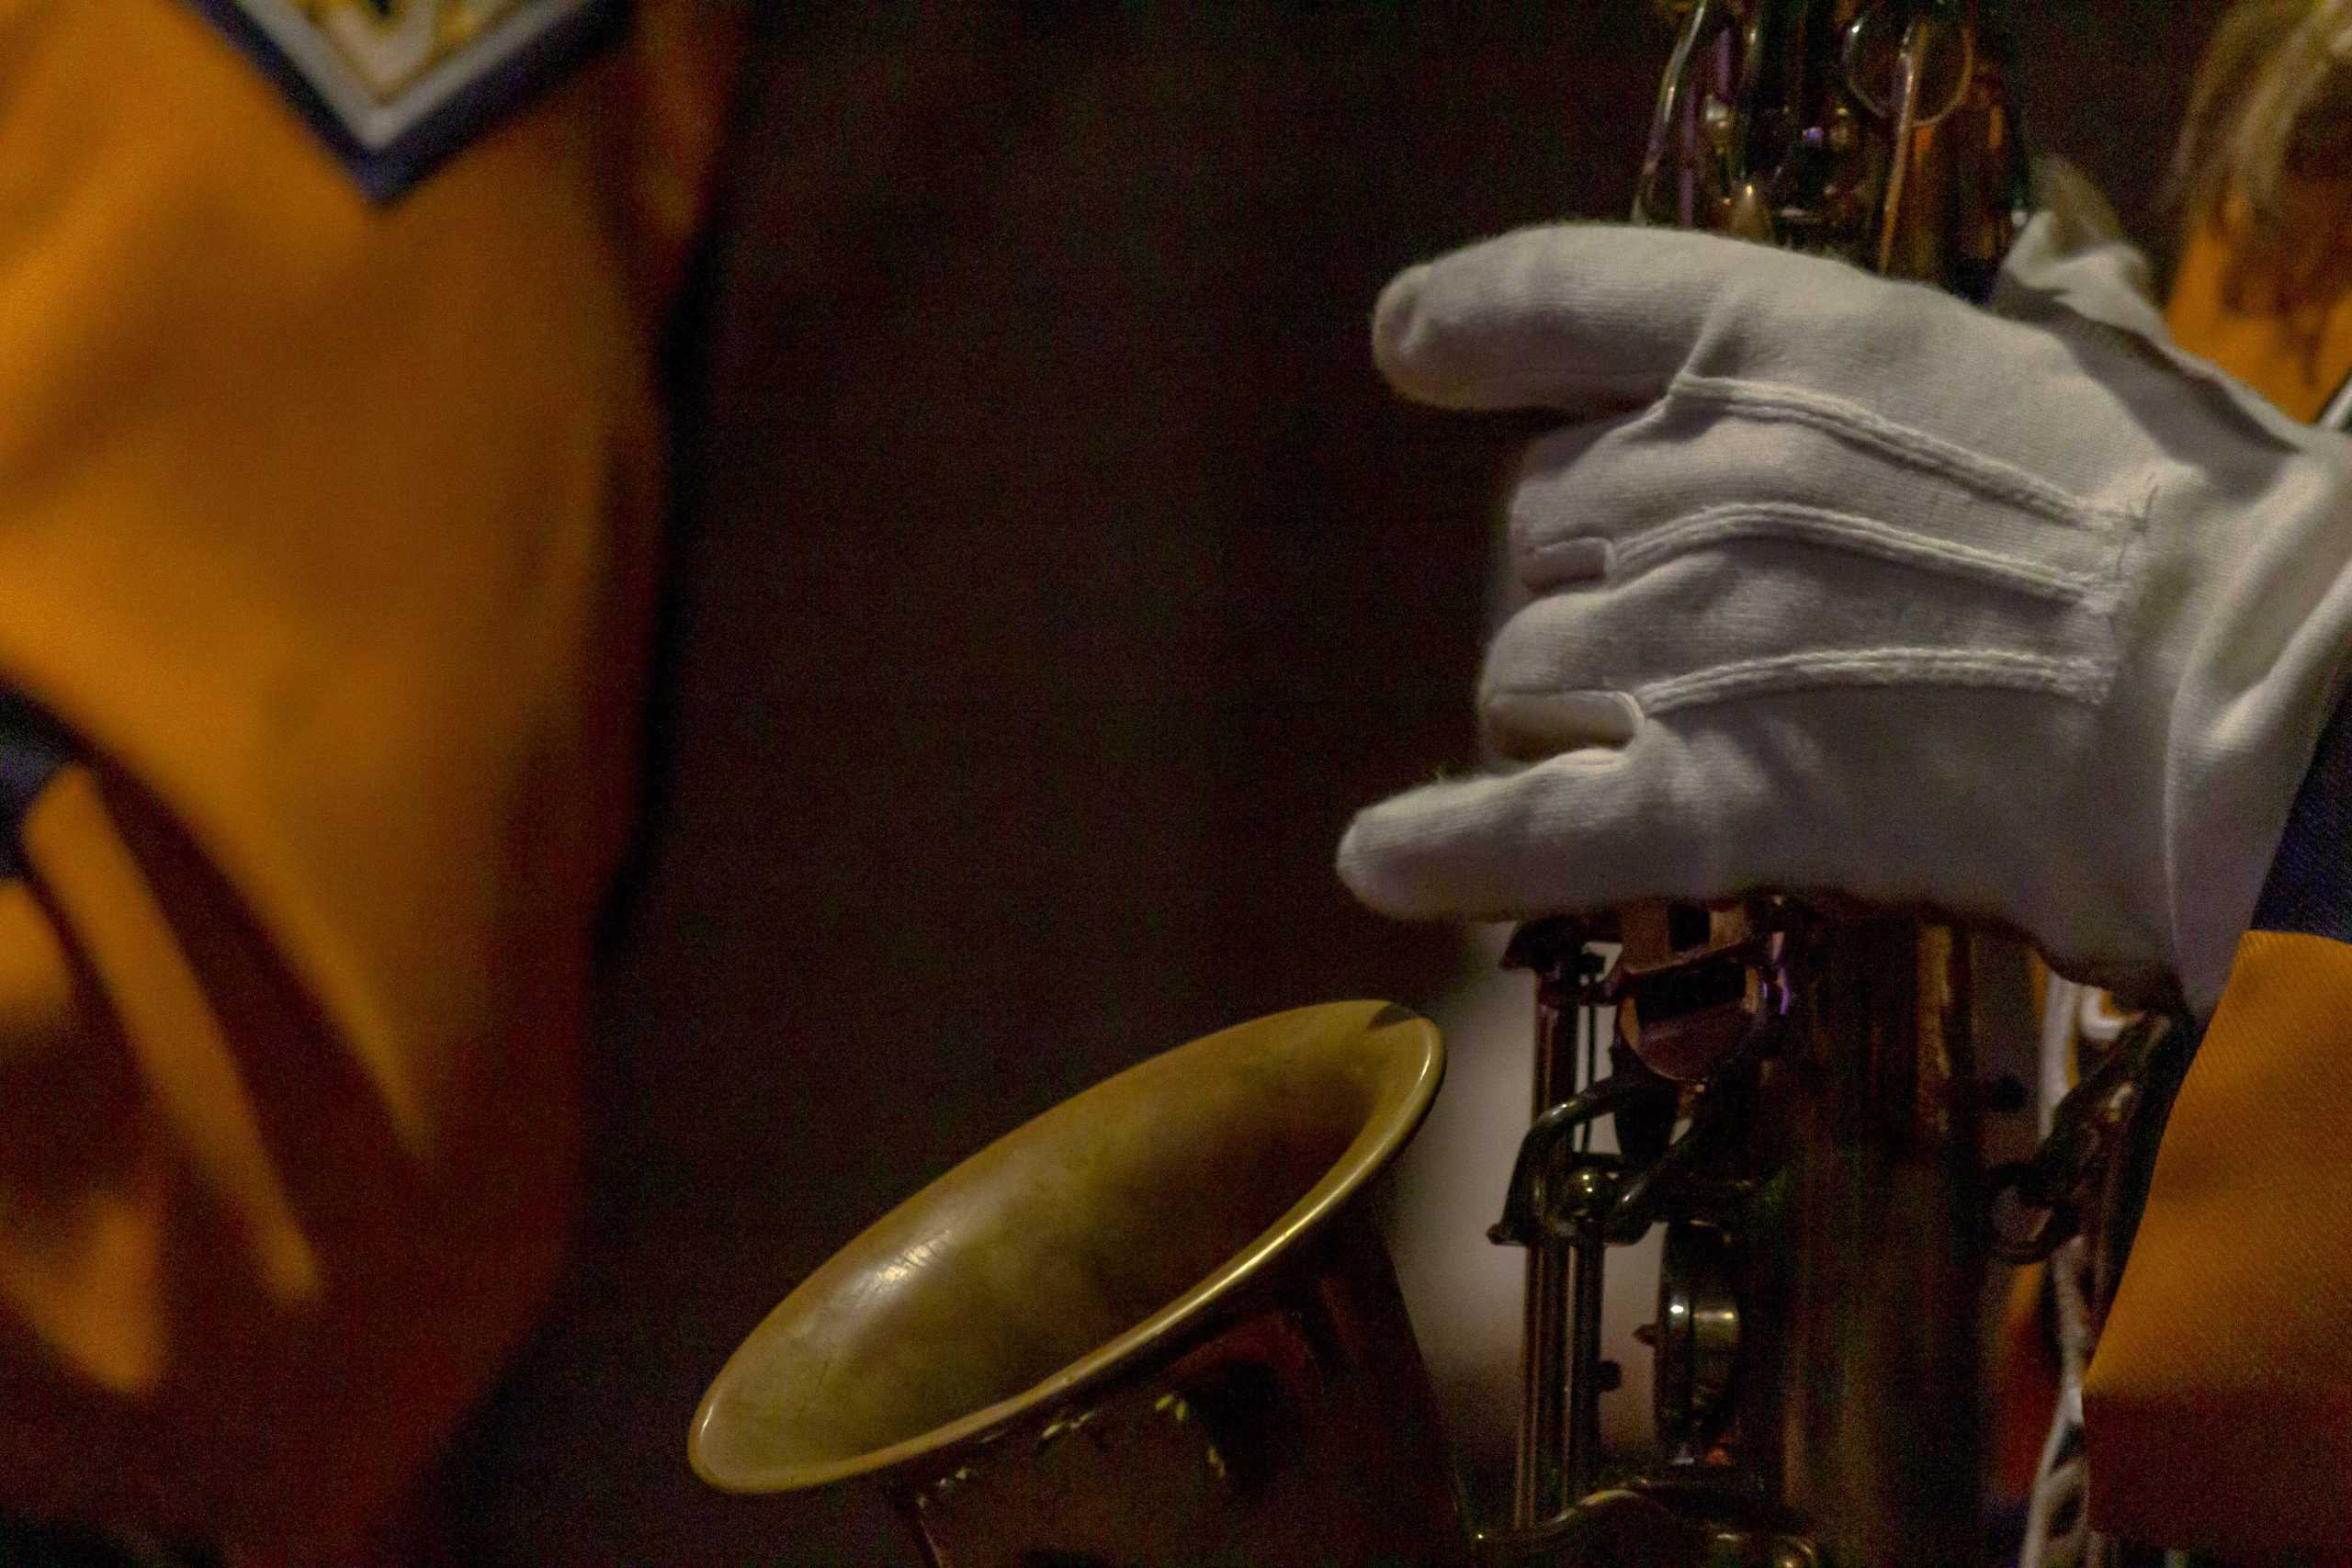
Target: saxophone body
x: 1154, y: 1326
x: 1803, y: 1112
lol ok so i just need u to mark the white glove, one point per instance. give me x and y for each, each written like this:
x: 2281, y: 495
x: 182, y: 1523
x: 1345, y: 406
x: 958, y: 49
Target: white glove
x: 1843, y: 584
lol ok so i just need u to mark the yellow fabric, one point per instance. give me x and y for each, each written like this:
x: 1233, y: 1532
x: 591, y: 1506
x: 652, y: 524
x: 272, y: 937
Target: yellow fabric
x: 2222, y: 311
x: 328, y: 530
x: 2218, y: 1408
x: 178, y: 1044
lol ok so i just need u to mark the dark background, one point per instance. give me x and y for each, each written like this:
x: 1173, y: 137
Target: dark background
x: 1053, y: 579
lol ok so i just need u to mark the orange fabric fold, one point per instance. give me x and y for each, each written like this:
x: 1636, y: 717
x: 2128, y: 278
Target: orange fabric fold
x: 328, y: 531
x: 2218, y: 1409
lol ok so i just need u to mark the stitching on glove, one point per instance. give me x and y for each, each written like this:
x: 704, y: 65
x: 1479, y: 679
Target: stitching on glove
x: 1567, y: 391
x: 1913, y: 449
x: 1798, y: 523
x: 2082, y: 680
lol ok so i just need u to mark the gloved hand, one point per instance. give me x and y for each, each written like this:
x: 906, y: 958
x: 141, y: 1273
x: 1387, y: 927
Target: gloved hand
x: 1840, y: 583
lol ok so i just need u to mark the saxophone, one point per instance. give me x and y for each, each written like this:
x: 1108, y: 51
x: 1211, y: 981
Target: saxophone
x: 1156, y: 1326
x: 1823, y: 1276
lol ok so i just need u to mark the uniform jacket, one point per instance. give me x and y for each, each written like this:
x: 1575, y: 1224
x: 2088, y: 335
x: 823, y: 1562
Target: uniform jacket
x: 328, y: 518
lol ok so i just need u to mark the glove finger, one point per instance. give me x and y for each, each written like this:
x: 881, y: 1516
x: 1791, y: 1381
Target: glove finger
x: 1643, y: 478
x: 1582, y: 666
x: 1831, y: 789
x: 1576, y: 317
x: 1579, y: 831
x: 1724, y: 628
x: 1561, y: 524
x: 1559, y: 677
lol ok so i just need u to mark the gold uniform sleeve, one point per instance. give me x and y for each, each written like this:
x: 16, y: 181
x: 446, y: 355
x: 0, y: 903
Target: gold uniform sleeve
x: 327, y: 532
x: 2218, y: 1408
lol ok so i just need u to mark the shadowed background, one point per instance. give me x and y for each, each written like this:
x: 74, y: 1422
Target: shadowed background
x: 1053, y: 578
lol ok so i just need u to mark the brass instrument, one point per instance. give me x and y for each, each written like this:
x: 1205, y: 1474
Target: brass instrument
x: 1154, y: 1326
x: 1822, y: 1283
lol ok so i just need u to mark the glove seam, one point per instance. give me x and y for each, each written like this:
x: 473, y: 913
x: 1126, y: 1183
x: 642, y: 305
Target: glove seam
x: 1798, y: 524
x: 1916, y: 449
x: 1506, y: 389
x: 2078, y: 680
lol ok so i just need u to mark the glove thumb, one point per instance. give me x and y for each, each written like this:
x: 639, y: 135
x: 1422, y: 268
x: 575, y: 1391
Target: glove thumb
x: 1582, y: 830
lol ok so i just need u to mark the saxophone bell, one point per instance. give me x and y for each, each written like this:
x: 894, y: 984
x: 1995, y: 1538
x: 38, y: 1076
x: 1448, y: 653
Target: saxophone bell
x: 1153, y: 1325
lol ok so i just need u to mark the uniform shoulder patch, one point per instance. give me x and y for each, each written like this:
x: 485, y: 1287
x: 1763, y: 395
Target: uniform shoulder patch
x: 394, y: 86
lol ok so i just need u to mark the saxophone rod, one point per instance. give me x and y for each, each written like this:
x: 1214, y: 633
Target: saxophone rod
x: 1540, y: 1491
x: 1549, y: 1455
x: 1585, y: 1384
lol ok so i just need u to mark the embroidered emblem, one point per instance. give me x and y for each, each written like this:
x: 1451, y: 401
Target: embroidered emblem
x: 396, y: 85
